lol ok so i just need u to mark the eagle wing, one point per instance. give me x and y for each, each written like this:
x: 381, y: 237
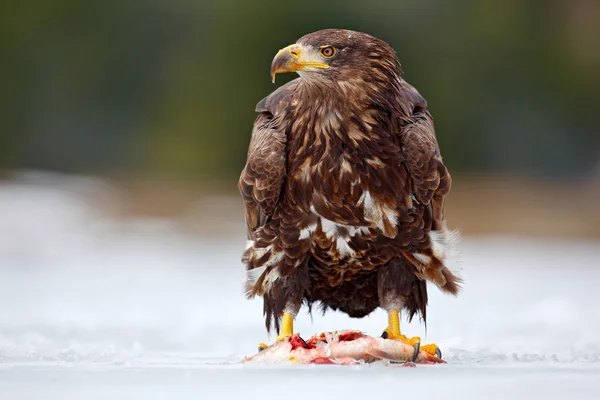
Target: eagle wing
x: 262, y: 178
x: 431, y: 183
x: 430, y: 177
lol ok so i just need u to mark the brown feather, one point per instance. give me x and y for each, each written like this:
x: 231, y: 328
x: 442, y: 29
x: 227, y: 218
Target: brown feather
x: 344, y: 188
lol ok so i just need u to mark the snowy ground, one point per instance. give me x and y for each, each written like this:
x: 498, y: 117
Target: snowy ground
x: 96, y: 308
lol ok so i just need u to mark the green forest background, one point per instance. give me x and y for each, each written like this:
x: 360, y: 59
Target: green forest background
x: 167, y: 88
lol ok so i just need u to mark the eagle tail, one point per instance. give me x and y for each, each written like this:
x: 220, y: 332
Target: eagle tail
x: 258, y: 282
x: 440, y: 265
x: 443, y: 278
x: 255, y: 279
x: 260, y: 264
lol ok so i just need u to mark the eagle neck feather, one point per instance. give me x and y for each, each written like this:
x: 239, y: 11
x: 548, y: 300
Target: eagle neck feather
x: 342, y: 112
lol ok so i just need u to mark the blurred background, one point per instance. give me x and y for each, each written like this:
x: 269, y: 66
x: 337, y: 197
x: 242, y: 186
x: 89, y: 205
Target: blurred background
x: 125, y: 125
x: 157, y: 98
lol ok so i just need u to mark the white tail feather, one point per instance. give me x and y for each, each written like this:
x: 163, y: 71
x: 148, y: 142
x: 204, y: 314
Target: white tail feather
x: 252, y: 277
x: 445, y: 247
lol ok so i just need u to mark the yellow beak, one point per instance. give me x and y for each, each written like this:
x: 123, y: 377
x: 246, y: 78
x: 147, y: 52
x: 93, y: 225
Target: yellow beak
x: 293, y: 58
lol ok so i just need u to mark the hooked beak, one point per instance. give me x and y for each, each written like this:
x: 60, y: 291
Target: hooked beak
x: 293, y: 58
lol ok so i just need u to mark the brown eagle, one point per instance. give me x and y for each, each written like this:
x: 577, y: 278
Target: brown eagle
x: 344, y: 188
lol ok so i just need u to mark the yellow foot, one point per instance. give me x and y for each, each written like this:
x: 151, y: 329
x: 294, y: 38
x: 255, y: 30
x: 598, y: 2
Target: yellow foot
x: 296, y: 341
x: 287, y: 329
x: 393, y: 332
x: 261, y: 347
x: 432, y: 349
x: 387, y: 334
x: 415, y: 341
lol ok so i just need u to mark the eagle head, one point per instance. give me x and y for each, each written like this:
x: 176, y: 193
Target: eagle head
x: 333, y: 55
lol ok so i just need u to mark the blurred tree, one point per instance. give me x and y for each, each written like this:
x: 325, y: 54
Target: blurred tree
x: 169, y: 88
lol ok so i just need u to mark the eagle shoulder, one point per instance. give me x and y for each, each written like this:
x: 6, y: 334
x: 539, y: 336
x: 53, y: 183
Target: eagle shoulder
x: 275, y: 102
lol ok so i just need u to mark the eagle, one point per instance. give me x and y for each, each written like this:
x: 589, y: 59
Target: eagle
x: 343, y: 189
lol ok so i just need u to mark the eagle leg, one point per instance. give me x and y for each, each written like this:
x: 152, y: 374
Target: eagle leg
x: 287, y: 330
x: 393, y: 332
x: 287, y: 327
x: 399, y: 288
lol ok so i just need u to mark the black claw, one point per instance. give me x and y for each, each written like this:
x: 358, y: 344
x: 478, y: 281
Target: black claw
x: 384, y: 335
x: 438, y: 353
x: 261, y: 348
x: 417, y: 347
x: 303, y: 342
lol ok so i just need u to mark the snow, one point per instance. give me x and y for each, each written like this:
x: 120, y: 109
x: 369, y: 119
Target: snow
x: 96, y: 307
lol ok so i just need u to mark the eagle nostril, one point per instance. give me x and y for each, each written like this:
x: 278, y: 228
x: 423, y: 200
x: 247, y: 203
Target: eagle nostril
x: 295, y: 53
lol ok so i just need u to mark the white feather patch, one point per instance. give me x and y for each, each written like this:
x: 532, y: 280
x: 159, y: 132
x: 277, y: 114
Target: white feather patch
x: 274, y: 259
x: 422, y: 258
x: 345, y: 167
x: 371, y: 212
x: 391, y: 216
x: 343, y: 248
x: 253, y: 275
x: 259, y: 252
x: 306, y: 232
x: 329, y: 227
x: 353, y: 230
x: 272, y: 276
x: 444, y: 245
x: 375, y: 212
x: 368, y: 201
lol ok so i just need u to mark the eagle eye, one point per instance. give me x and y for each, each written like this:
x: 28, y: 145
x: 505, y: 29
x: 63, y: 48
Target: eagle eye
x: 327, y: 51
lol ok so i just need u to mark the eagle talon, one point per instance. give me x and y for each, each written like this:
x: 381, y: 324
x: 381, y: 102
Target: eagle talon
x: 295, y: 344
x: 393, y: 332
x: 417, y: 347
x: 432, y: 349
x: 303, y: 342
